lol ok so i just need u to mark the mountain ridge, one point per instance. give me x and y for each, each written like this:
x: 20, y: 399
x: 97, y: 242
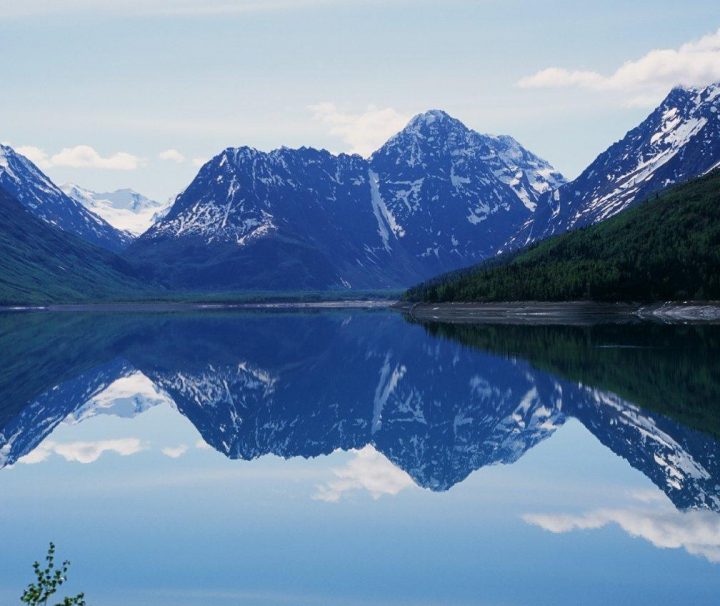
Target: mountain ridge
x: 435, y: 197
x: 41, y: 197
x: 677, y: 141
x: 418, y: 205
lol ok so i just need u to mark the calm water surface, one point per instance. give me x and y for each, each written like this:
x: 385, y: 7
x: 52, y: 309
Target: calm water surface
x: 354, y: 457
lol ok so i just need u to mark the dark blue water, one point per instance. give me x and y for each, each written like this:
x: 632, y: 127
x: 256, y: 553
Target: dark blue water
x: 354, y: 457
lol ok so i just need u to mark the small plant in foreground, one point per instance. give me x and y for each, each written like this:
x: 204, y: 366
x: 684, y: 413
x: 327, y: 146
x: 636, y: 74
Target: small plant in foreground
x: 47, y: 582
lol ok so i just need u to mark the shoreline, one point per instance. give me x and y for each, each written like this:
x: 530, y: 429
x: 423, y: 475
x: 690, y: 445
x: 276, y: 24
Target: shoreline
x: 512, y: 312
x: 170, y: 307
x: 564, y: 312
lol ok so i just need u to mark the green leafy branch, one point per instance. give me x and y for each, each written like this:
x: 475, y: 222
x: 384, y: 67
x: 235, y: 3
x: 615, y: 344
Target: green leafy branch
x: 48, y: 580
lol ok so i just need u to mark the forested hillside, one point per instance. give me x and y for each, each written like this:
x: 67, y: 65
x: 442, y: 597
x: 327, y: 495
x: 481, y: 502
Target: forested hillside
x: 41, y: 264
x: 667, y: 248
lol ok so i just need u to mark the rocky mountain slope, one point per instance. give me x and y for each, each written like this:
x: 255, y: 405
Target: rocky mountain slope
x: 678, y: 141
x: 41, y: 197
x: 435, y: 197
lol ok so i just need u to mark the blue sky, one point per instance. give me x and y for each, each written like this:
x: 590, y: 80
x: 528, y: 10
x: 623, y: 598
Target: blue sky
x: 96, y: 91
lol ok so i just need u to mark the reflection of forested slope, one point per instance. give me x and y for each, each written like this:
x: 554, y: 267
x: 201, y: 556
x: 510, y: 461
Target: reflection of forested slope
x: 674, y: 370
x: 39, y: 351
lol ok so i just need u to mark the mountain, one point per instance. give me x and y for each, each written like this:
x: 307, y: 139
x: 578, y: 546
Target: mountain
x: 665, y: 249
x: 678, y: 141
x: 40, y: 196
x: 435, y: 197
x: 124, y: 209
x: 42, y: 264
x: 288, y: 219
x: 452, y: 195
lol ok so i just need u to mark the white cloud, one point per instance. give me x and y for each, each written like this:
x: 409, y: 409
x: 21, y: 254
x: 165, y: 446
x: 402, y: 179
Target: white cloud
x: 40, y: 454
x: 172, y: 155
x: 368, y: 470
x: 84, y: 156
x: 558, y: 77
x: 202, y: 445
x: 646, y: 79
x: 698, y: 532
x: 199, y: 161
x: 83, y: 452
x: 648, y: 495
x: 35, y: 155
x: 175, y: 452
x: 80, y: 156
x: 362, y: 132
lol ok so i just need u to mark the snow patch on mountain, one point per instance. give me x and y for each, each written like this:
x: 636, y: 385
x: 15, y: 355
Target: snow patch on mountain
x: 678, y: 141
x: 124, y: 209
x: 437, y: 196
x: 386, y: 220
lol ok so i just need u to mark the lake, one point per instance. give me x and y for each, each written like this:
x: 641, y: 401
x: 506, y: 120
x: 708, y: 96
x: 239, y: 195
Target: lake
x: 355, y: 457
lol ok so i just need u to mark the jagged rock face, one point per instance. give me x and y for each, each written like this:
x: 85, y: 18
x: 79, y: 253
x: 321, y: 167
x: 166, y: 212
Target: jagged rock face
x: 242, y: 194
x: 284, y: 219
x: 436, y: 197
x: 452, y: 196
x: 39, y: 195
x: 678, y: 141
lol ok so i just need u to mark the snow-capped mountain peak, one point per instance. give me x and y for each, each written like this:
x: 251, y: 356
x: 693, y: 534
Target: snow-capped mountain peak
x: 437, y: 136
x: 427, y: 135
x: 124, y: 209
x: 454, y: 193
x: 433, y: 121
x: 679, y: 140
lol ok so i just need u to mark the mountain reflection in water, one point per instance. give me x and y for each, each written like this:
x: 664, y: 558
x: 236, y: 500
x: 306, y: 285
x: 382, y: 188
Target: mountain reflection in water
x: 439, y: 401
